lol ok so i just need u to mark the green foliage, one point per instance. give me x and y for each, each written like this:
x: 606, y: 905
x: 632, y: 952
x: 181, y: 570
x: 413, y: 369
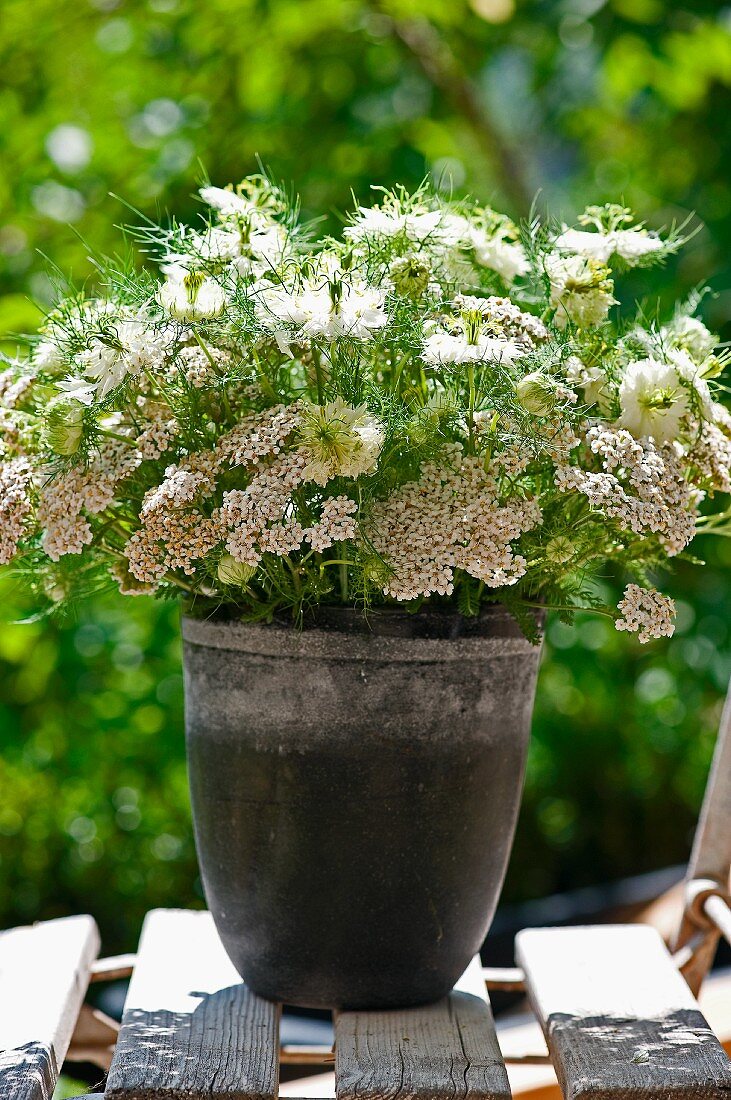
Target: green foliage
x: 632, y: 100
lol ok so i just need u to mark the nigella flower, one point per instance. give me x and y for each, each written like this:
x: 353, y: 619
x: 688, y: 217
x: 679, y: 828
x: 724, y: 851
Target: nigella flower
x: 339, y: 441
x: 191, y: 295
x: 631, y: 244
x: 417, y: 225
x: 226, y: 201
x: 610, y: 236
x: 499, y: 254
x: 469, y: 339
x: 690, y: 335
x: 328, y: 306
x: 581, y: 290
x: 656, y: 398
x: 130, y: 346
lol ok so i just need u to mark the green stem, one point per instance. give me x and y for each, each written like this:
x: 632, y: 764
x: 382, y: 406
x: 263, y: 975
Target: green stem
x: 265, y: 382
x: 204, y: 348
x: 568, y: 607
x: 115, y: 435
x: 471, y: 413
x: 318, y: 375
x: 295, y: 575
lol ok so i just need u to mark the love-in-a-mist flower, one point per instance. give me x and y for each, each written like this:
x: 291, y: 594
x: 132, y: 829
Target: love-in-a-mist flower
x: 610, y: 236
x: 64, y: 426
x: 656, y: 398
x: 689, y: 334
x: 582, y: 291
x: 191, y: 295
x: 469, y: 339
x: 339, y: 440
x: 327, y: 305
x: 500, y: 254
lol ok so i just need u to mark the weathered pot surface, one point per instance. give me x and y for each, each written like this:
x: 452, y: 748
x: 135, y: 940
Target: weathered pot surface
x: 355, y: 788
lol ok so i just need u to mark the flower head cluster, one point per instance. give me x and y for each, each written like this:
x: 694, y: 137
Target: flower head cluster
x: 431, y: 406
x: 451, y: 518
x: 646, y: 612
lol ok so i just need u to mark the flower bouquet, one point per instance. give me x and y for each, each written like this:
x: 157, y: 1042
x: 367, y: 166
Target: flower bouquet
x: 360, y: 451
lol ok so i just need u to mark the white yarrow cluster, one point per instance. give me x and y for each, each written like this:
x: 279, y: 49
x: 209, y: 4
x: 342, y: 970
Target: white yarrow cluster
x: 451, y: 518
x: 646, y: 612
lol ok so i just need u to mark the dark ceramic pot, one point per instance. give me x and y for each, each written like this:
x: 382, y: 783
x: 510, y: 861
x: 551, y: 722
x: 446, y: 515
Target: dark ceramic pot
x: 355, y: 789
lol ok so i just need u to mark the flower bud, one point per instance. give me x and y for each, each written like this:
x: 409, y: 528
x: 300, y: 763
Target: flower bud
x: 536, y: 393
x: 64, y: 426
x: 233, y: 572
x: 560, y: 550
x: 410, y: 276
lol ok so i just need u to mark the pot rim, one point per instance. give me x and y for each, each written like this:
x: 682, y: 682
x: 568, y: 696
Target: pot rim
x: 429, y: 635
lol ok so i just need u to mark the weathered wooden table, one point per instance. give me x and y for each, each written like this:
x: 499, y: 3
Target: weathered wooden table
x: 617, y: 1010
x: 619, y: 1020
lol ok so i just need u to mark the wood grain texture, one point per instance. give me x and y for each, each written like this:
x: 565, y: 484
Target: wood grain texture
x: 44, y: 972
x: 190, y: 1027
x: 620, y: 1022
x: 447, y: 1049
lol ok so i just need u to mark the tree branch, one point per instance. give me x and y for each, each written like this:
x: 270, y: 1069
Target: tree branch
x: 442, y: 69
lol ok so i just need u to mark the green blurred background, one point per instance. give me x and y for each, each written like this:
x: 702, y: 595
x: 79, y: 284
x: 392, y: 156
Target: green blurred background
x: 575, y: 101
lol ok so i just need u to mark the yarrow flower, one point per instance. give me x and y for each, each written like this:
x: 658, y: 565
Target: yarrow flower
x: 433, y: 406
x: 647, y: 613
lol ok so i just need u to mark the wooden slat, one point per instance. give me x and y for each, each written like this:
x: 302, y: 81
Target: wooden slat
x: 447, y: 1049
x: 620, y: 1022
x: 44, y: 972
x: 190, y: 1026
x: 94, y: 1038
x: 113, y: 968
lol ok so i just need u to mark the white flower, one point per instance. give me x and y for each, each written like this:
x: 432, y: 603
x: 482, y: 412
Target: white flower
x: 104, y: 366
x: 595, y: 246
x: 443, y: 348
x: 691, y: 335
x: 631, y: 244
x: 226, y: 201
x: 581, y: 290
x: 134, y: 345
x: 504, y: 256
x: 634, y: 244
x: 656, y: 398
x: 47, y: 356
x: 215, y: 245
x: 647, y: 613
x: 78, y: 389
x: 592, y: 380
x: 263, y: 251
x: 324, y: 308
x: 191, y: 295
x: 361, y: 310
x: 375, y: 222
x: 339, y: 441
